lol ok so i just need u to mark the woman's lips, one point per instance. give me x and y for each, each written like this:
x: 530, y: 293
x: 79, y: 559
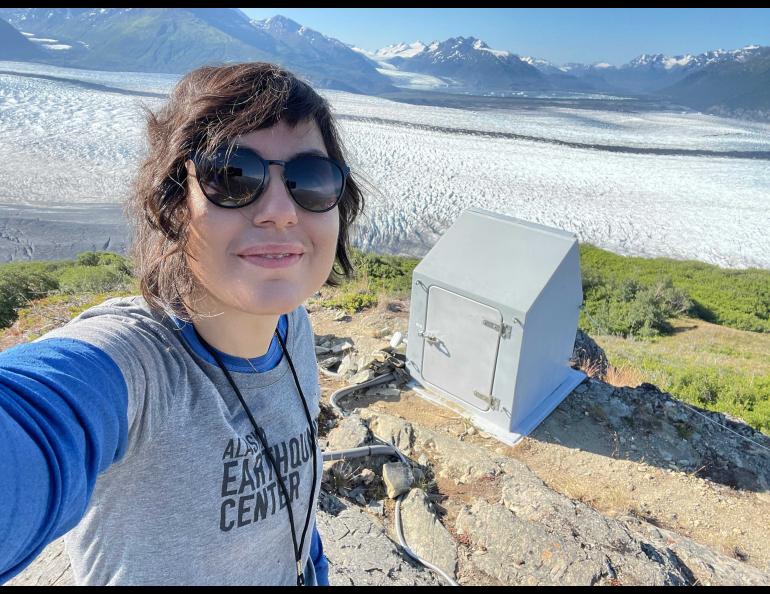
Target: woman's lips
x: 265, y: 262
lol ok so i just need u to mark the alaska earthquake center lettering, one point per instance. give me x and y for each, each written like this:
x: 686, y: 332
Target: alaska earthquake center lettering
x: 250, y: 492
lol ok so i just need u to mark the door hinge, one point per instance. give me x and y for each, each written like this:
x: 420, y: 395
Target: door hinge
x: 504, y: 330
x: 494, y: 403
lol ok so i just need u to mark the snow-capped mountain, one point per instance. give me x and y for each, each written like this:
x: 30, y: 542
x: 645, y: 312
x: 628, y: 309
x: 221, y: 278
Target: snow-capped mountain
x: 327, y: 61
x: 543, y: 66
x: 647, y: 72
x: 176, y: 40
x: 738, y: 85
x: 692, y: 62
x: 464, y: 62
x: 400, y: 50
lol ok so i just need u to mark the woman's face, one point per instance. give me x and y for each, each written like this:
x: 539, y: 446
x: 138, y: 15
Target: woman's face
x: 218, y: 235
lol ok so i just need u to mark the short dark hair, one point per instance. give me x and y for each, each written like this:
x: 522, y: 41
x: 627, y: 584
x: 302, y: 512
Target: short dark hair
x: 208, y: 107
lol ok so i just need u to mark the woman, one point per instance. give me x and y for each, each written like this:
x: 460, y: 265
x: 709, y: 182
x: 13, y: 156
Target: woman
x: 172, y: 435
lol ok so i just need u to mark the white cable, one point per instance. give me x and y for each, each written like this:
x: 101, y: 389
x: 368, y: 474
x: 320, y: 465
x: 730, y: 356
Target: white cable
x: 382, y: 379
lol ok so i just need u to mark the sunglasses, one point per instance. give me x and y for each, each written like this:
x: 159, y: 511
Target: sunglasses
x: 236, y: 180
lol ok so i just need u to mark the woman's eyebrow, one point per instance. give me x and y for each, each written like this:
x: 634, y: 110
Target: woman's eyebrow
x: 308, y: 153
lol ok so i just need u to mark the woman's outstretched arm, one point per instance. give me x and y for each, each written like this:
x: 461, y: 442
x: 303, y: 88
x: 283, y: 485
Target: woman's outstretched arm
x: 63, y: 420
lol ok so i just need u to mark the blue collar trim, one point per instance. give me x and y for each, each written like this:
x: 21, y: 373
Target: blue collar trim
x: 266, y: 362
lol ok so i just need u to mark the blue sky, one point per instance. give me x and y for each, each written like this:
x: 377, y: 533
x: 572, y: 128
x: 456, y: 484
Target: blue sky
x: 614, y: 35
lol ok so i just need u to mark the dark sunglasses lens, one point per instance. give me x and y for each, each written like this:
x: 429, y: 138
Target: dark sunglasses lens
x: 234, y: 181
x: 315, y: 183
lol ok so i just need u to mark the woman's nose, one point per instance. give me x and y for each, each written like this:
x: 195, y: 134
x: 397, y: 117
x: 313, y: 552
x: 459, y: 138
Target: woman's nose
x: 275, y: 205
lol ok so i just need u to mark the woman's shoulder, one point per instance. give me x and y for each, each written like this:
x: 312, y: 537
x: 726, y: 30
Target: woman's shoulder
x: 126, y: 319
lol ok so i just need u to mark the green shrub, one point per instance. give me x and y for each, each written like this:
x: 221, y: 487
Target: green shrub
x: 119, y: 263
x: 351, y: 302
x: 22, y: 282
x: 91, y: 279
x: 87, y: 259
x: 627, y: 307
x: 736, y: 298
x: 392, y: 274
x: 18, y: 285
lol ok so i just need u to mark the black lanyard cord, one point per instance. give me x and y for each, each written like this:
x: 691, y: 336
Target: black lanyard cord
x: 314, y: 441
x: 260, y: 434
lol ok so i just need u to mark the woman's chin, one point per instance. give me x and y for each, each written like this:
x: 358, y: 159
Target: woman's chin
x: 271, y: 303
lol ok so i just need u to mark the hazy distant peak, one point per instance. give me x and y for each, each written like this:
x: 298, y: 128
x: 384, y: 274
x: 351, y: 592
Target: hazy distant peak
x: 691, y: 61
x: 669, y: 63
x: 279, y: 23
x: 460, y: 48
x: 401, y: 50
x: 545, y: 66
x: 480, y: 45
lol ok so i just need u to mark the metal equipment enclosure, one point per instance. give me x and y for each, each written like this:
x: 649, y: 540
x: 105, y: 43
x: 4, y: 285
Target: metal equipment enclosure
x: 493, y: 317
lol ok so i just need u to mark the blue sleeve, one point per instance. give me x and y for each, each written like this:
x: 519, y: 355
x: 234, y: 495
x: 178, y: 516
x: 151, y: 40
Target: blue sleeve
x: 320, y: 562
x: 63, y: 420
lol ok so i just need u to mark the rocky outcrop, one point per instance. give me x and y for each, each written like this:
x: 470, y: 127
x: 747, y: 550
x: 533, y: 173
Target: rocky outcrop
x: 517, y: 528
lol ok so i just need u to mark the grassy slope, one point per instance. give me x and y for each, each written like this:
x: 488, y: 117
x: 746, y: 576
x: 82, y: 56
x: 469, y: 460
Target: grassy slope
x: 714, y: 367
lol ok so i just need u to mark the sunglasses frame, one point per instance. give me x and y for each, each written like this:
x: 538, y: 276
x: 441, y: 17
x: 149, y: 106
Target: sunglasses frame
x: 196, y: 158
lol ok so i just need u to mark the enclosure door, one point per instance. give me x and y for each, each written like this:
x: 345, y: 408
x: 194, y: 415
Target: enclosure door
x: 459, y: 350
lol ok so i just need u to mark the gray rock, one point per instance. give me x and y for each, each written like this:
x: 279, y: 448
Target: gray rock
x: 347, y: 366
x: 398, y: 478
x: 391, y: 429
x: 357, y: 494
x: 350, y: 432
x: 587, y: 352
x: 362, y: 376
x: 425, y: 535
x: 329, y: 362
x: 376, y: 507
x: 365, y: 361
x: 319, y: 350
x: 551, y: 548
x: 459, y: 461
x: 366, y: 477
x: 339, y: 347
x: 360, y: 552
x: 709, y: 567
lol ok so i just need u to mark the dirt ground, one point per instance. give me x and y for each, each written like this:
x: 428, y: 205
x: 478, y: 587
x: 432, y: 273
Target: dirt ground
x: 601, y: 473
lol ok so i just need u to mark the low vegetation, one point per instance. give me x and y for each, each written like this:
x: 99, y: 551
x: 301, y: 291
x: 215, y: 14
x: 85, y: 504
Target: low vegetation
x: 91, y: 272
x: 697, y: 331
x: 633, y: 296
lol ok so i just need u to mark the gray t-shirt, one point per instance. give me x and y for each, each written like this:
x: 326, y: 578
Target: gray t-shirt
x: 194, y: 500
